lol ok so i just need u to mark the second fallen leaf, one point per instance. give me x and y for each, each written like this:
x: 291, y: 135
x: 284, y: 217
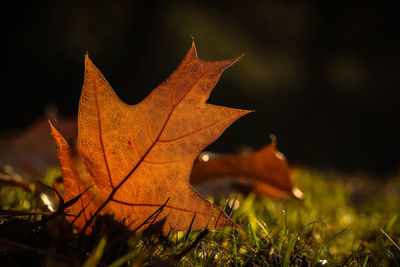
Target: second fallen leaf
x: 266, y: 169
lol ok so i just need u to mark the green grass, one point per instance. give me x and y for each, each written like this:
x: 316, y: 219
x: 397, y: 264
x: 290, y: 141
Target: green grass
x: 341, y: 221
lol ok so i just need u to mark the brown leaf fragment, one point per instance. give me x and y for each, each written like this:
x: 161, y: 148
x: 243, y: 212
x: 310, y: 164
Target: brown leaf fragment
x: 31, y: 152
x: 136, y: 158
x: 266, y: 169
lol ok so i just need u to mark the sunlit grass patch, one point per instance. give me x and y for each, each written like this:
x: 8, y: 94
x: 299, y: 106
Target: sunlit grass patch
x: 340, y: 221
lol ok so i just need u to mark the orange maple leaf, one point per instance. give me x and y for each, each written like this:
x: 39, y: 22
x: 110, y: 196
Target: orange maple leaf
x: 135, y: 160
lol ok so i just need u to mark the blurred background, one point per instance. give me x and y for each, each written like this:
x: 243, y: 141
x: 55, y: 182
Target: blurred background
x: 322, y: 77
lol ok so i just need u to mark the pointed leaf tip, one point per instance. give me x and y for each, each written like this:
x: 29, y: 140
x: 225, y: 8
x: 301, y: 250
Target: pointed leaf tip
x: 193, y: 44
x: 193, y: 49
x: 88, y: 62
x: 233, y: 60
x: 238, y: 58
x: 52, y: 128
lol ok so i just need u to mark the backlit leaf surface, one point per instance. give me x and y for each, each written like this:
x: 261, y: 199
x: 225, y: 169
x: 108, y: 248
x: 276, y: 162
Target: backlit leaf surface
x: 135, y: 158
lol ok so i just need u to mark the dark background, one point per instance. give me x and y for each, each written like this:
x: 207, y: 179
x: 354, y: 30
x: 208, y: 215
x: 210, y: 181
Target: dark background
x: 323, y: 78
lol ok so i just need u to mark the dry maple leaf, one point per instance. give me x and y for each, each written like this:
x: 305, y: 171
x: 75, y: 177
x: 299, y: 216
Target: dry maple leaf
x: 267, y: 169
x: 134, y: 160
